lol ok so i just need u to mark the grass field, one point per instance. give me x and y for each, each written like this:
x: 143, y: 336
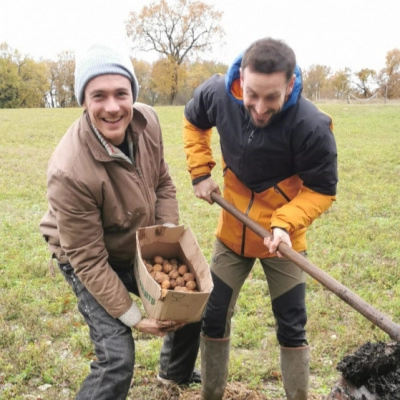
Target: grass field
x: 45, y: 351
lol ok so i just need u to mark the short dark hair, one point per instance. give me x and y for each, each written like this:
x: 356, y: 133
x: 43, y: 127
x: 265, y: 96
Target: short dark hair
x: 269, y: 55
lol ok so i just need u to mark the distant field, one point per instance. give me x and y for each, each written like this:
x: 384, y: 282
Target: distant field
x: 44, y: 347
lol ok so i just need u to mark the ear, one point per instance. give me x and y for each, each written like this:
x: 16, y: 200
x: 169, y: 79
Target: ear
x: 241, y: 77
x: 290, y: 86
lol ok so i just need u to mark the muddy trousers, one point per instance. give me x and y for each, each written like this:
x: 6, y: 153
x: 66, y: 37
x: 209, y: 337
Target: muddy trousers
x: 286, y: 284
x: 112, y: 371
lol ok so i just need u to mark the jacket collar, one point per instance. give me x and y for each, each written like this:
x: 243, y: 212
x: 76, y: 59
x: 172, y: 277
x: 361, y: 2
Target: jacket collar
x: 233, y: 74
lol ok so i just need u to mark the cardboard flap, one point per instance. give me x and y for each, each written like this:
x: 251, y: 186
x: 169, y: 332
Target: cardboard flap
x: 157, y: 233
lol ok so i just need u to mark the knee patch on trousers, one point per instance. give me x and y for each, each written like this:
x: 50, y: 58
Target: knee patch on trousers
x: 291, y: 317
x: 215, y: 315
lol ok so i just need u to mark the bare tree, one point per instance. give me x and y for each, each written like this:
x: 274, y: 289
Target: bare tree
x: 390, y: 75
x: 340, y: 82
x: 64, y: 79
x: 365, y: 78
x: 314, y: 79
x: 177, y: 31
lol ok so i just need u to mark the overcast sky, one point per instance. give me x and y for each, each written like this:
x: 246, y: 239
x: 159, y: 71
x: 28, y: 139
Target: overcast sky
x: 337, y: 33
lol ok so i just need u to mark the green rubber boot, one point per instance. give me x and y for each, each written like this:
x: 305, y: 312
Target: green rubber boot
x: 295, y: 366
x: 214, y: 367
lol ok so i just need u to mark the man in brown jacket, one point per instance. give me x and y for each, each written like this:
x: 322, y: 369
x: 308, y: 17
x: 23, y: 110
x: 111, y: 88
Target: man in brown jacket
x: 107, y: 178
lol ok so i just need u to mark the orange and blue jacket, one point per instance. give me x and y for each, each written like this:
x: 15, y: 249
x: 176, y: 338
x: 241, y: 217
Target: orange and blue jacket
x: 282, y: 175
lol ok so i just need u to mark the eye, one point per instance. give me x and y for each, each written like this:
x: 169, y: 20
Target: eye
x: 123, y: 93
x: 273, y: 97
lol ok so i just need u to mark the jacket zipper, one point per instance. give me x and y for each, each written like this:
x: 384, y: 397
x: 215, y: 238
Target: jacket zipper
x: 249, y: 140
x: 246, y: 147
x: 134, y: 162
x: 244, y: 226
x: 251, y: 136
x: 279, y: 190
x: 144, y: 185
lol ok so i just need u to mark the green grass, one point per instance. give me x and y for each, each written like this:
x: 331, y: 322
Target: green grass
x: 43, y: 340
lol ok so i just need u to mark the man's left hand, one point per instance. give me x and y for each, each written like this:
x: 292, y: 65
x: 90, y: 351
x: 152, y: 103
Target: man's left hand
x: 278, y: 235
x: 157, y: 327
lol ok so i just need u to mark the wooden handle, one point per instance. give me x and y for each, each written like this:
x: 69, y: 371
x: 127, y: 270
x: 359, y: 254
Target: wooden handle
x: 356, y: 302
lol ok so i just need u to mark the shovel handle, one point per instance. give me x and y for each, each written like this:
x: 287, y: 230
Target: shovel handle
x: 353, y: 300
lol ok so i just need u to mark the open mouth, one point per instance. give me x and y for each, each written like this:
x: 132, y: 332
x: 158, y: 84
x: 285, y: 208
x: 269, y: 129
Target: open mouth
x: 112, y: 120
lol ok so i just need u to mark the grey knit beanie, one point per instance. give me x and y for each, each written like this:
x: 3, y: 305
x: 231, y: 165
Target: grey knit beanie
x: 101, y: 59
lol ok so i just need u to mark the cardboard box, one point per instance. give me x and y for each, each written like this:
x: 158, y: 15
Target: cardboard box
x: 171, y: 242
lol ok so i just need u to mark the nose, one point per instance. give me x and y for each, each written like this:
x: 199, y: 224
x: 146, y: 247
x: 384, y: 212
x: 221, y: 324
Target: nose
x: 261, y: 107
x: 111, y: 105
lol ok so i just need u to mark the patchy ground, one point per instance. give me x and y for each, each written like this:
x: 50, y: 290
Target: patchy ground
x: 234, y: 391
x: 371, y: 373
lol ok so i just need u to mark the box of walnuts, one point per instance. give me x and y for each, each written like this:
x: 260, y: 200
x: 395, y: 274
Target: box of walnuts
x: 173, y: 277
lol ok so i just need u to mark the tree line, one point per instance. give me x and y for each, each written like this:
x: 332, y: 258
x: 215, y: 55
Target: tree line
x: 26, y: 83
x: 320, y: 82
x: 180, y: 33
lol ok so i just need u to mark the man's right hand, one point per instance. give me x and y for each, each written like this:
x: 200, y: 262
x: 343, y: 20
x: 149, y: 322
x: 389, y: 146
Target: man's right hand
x: 203, y: 189
x: 156, y: 327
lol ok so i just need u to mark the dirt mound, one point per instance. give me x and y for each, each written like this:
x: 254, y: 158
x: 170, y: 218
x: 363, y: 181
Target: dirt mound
x: 372, y: 372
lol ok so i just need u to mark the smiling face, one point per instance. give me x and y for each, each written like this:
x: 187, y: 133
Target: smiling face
x: 109, y: 101
x: 264, y: 94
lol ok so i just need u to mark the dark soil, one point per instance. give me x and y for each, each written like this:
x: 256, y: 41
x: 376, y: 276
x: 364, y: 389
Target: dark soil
x: 376, y: 366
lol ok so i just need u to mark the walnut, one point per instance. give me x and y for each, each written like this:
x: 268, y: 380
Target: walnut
x: 180, y: 281
x: 188, y: 277
x: 174, y: 274
x: 183, y: 269
x: 165, y: 284
x: 160, y: 276
x: 158, y: 260
x: 191, y: 285
x: 180, y: 289
x: 149, y: 268
x: 167, y: 267
x: 174, y: 267
x: 157, y: 267
x: 172, y: 283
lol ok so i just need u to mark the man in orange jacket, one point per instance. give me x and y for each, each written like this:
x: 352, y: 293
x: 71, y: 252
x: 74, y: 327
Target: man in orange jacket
x: 280, y: 168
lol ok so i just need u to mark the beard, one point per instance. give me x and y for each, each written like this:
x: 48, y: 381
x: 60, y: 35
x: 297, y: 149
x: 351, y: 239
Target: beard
x: 263, y: 120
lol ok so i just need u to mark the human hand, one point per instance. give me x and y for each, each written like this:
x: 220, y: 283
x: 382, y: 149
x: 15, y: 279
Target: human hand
x: 168, y: 225
x: 278, y: 235
x: 203, y: 189
x: 157, y: 327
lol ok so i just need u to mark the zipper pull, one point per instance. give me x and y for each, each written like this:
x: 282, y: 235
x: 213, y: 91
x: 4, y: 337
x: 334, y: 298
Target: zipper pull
x: 251, y: 135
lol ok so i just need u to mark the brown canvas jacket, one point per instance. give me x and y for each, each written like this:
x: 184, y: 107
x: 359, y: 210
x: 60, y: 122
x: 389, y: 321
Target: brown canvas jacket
x: 98, y: 198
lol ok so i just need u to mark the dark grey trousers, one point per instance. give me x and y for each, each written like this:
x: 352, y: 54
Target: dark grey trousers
x: 111, y: 373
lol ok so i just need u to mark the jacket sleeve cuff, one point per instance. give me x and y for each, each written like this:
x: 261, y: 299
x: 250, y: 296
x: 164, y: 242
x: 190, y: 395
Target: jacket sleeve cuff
x: 200, y: 172
x: 200, y: 178
x: 132, y: 316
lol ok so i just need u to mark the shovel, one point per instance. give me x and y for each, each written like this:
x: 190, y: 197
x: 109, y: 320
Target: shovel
x: 356, y: 302
x: 344, y: 390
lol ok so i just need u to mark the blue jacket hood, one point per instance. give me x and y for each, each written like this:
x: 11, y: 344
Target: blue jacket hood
x: 233, y: 73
